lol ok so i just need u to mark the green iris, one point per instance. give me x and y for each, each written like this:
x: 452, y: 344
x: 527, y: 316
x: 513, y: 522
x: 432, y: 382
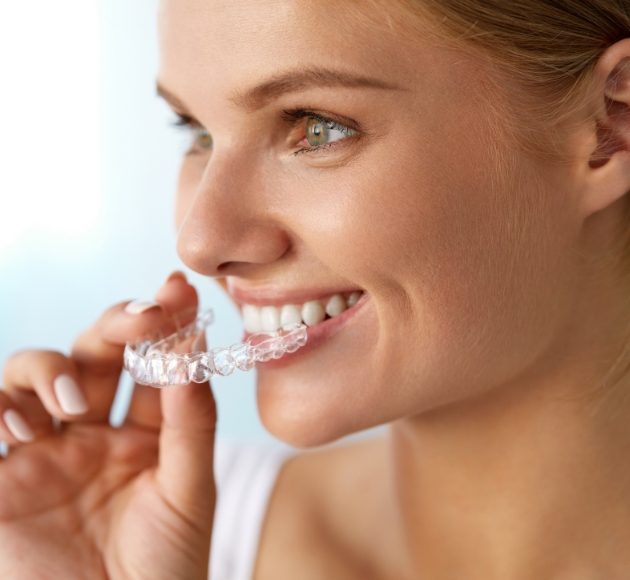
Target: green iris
x: 317, y: 131
x: 203, y: 139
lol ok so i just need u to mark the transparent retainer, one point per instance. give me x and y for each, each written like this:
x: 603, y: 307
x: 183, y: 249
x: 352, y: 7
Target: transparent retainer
x: 181, y: 357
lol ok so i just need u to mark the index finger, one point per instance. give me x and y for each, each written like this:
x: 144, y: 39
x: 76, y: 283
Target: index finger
x: 100, y: 347
x: 98, y: 352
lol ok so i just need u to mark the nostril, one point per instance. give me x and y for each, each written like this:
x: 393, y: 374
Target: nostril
x: 224, y: 266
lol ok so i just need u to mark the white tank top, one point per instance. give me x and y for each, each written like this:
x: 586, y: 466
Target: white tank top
x: 245, y: 474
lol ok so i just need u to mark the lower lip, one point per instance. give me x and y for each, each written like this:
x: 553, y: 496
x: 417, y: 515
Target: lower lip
x: 316, y: 334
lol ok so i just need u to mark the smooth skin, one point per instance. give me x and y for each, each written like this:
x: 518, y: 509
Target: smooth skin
x: 489, y: 320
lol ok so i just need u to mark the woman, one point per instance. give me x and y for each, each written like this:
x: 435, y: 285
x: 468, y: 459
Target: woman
x: 463, y: 165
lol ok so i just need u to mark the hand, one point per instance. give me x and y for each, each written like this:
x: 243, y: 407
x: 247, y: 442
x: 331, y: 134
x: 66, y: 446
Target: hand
x: 85, y: 500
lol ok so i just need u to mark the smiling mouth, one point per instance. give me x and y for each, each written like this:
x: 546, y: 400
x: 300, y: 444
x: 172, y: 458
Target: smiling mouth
x: 319, y: 332
x: 270, y: 318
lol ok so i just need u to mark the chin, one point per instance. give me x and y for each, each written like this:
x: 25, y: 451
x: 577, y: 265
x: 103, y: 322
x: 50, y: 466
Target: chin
x: 299, y: 429
x: 300, y: 421
x: 306, y: 421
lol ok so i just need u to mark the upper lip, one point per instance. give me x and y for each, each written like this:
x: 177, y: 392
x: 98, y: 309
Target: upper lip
x: 266, y: 296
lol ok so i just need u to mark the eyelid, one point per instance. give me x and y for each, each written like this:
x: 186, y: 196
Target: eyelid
x: 294, y: 115
x: 290, y: 115
x: 183, y: 120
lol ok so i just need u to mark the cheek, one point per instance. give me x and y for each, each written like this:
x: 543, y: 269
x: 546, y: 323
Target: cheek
x: 484, y: 265
x: 470, y: 270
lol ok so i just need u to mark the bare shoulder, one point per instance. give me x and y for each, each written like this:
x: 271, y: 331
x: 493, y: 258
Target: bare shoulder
x: 320, y: 499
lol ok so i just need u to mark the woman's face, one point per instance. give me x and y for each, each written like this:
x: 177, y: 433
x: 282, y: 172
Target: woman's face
x: 463, y: 259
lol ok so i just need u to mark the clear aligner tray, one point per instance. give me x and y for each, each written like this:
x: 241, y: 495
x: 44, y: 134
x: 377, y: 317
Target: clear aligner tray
x: 181, y: 357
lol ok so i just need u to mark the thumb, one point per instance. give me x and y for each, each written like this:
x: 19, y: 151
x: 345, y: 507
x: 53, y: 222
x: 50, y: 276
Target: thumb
x: 185, y: 472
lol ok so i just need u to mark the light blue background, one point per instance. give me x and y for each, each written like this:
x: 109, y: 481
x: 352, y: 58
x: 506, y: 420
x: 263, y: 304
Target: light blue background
x: 88, y: 169
x: 83, y: 85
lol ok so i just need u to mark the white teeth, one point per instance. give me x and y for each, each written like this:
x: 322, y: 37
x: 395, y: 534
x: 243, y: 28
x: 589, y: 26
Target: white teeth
x: 272, y: 318
x: 290, y: 314
x: 353, y: 298
x: 313, y: 312
x: 335, y: 305
x: 269, y: 318
x: 251, y: 318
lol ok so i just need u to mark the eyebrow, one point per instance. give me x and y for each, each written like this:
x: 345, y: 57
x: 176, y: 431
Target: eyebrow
x: 262, y: 94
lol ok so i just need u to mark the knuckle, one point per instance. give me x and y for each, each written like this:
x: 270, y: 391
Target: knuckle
x: 22, y: 359
x: 28, y: 367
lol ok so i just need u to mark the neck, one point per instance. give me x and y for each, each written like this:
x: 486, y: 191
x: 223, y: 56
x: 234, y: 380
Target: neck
x: 529, y: 481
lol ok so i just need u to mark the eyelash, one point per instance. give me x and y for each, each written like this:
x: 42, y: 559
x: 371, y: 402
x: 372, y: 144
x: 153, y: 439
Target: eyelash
x: 292, y: 116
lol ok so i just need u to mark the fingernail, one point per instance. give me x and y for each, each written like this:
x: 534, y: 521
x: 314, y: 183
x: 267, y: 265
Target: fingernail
x: 177, y: 274
x: 18, y: 426
x: 139, y: 306
x: 70, y: 397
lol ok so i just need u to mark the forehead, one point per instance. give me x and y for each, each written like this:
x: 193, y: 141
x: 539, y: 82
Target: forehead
x: 228, y: 44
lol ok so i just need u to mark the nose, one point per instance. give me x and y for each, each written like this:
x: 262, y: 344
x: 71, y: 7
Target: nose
x: 228, y: 226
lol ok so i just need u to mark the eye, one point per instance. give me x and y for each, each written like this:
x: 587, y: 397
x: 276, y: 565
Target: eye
x: 201, y: 138
x: 321, y: 132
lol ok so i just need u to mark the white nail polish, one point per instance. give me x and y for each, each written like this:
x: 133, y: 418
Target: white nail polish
x: 139, y: 306
x: 69, y: 395
x: 18, y: 426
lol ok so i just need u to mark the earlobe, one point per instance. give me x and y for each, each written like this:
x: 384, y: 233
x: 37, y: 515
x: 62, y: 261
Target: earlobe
x: 609, y: 162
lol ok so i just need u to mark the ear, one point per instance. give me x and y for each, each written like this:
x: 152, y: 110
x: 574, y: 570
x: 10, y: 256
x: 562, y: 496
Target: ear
x: 608, y: 173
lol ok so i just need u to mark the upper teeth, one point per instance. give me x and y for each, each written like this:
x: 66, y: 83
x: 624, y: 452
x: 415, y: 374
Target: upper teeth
x: 272, y: 318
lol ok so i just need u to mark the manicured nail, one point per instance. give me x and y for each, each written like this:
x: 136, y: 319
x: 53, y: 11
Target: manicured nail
x: 177, y: 274
x: 18, y: 426
x: 139, y: 306
x: 70, y: 397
